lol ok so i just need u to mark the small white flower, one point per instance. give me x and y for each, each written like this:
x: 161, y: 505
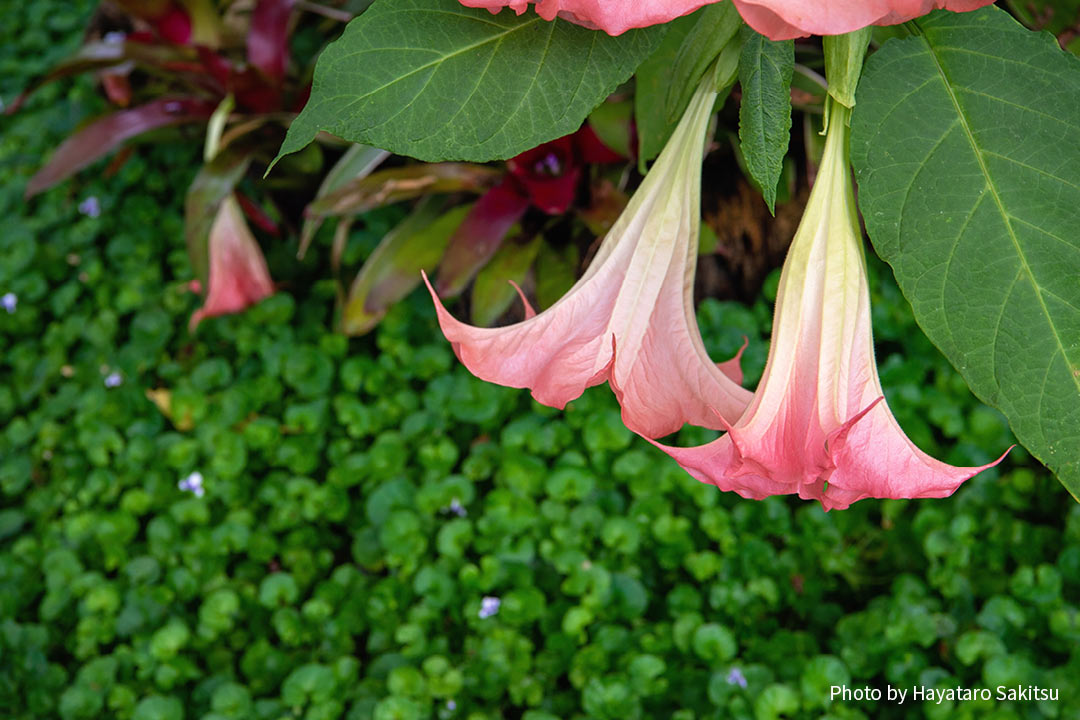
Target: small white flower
x: 113, y: 379
x: 489, y: 606
x: 9, y: 301
x: 193, y: 484
x: 90, y: 207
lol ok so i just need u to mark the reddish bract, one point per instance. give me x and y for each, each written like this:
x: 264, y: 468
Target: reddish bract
x: 238, y: 275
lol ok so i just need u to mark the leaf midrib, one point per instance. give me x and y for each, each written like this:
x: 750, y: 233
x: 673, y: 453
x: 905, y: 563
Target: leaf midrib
x: 438, y: 61
x: 1006, y: 216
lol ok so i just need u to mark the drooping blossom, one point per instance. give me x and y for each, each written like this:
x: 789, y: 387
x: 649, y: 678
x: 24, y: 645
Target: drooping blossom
x: 238, y: 276
x: 612, y: 16
x: 818, y: 424
x: 777, y: 19
x: 630, y: 318
x: 786, y: 19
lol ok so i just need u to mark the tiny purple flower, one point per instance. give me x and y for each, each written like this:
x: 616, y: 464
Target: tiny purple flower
x: 90, y: 207
x: 10, y: 301
x: 113, y: 379
x: 489, y: 606
x: 115, y: 37
x: 457, y: 508
x: 451, y: 705
x: 735, y: 677
x: 193, y: 483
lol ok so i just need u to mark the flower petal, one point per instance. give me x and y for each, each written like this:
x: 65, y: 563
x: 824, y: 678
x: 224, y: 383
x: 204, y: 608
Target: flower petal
x: 637, y: 295
x: 786, y: 19
x: 239, y: 277
x: 818, y: 425
x: 612, y: 16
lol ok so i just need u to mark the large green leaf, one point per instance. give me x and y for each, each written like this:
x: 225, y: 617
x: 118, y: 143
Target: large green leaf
x: 667, y: 79
x: 393, y: 269
x: 652, y: 80
x: 966, y: 141
x: 435, y: 80
x: 765, y: 71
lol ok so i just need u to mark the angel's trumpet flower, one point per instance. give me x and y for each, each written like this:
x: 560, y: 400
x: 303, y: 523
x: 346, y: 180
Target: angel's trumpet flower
x: 637, y: 298
x: 818, y: 424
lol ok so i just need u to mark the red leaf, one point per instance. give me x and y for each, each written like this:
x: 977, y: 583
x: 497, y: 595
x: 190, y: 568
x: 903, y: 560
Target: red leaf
x: 117, y: 88
x: 479, y: 236
x: 101, y: 55
x: 257, y: 215
x: 268, y: 39
x: 109, y: 132
x: 175, y: 25
x: 593, y: 149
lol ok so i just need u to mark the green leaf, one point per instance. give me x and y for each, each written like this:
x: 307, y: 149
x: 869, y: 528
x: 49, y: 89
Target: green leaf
x: 355, y: 164
x: 393, y: 269
x: 966, y: 142
x: 653, y: 78
x: 214, y: 182
x: 765, y: 71
x: 556, y: 271
x: 435, y: 80
x: 715, y: 26
x: 492, y: 293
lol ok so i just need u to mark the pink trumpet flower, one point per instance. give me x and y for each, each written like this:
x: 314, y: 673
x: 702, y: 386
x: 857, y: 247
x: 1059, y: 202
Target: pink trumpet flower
x: 238, y: 276
x: 818, y: 424
x: 786, y: 19
x: 636, y: 297
x: 776, y: 19
x: 612, y: 16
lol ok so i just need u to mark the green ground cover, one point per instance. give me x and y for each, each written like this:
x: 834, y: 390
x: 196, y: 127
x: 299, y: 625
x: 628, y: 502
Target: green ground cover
x: 363, y: 498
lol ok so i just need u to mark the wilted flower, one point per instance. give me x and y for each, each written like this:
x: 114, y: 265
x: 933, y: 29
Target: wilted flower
x: 786, y: 19
x: 238, y: 275
x: 193, y: 483
x: 489, y: 606
x: 90, y: 207
x: 113, y: 379
x: 630, y: 318
x: 818, y: 424
x: 9, y: 301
